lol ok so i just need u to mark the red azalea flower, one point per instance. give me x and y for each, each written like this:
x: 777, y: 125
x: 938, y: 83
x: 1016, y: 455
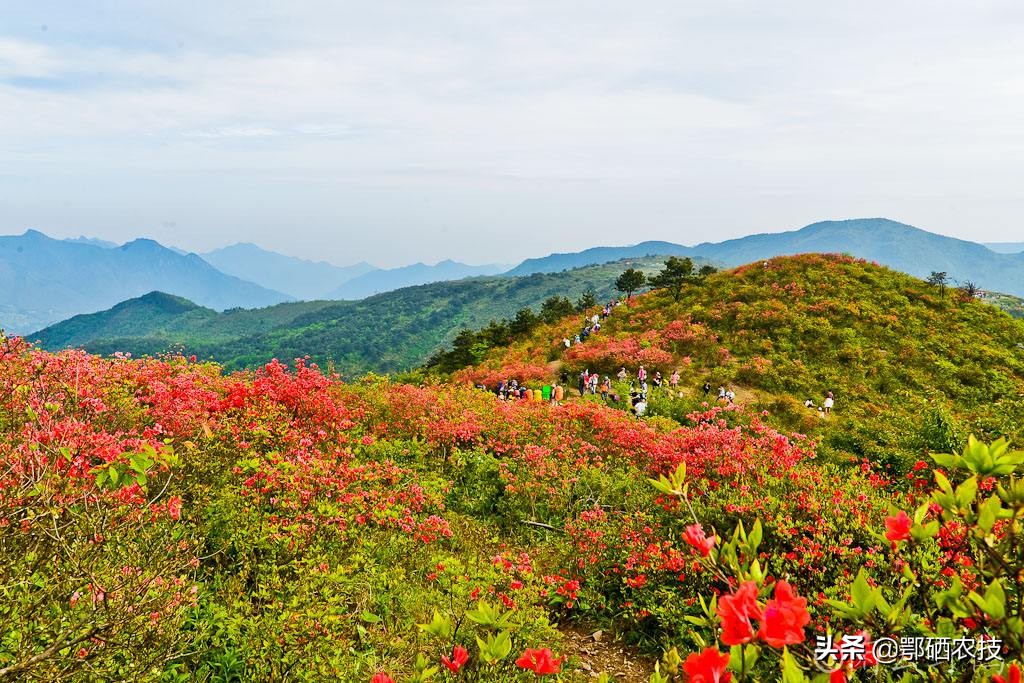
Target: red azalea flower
x: 694, y: 535
x: 459, y: 658
x: 174, y: 507
x: 707, y: 667
x: 382, y: 678
x: 784, y: 618
x: 837, y: 676
x: 736, y: 612
x: 898, y: 527
x: 1012, y: 675
x: 540, y: 662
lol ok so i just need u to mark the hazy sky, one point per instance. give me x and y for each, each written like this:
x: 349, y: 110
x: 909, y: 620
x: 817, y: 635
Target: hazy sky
x: 407, y: 131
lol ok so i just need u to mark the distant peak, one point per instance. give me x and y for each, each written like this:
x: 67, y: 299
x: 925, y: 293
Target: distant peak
x: 32, y: 233
x: 877, y: 222
x: 142, y: 243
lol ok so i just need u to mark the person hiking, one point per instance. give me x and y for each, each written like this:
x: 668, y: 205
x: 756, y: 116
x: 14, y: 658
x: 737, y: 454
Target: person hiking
x: 584, y: 378
x: 656, y: 381
x: 721, y: 393
x: 639, y: 405
x: 730, y: 396
x: 706, y: 389
x: 566, y: 342
x: 641, y: 374
x: 593, y: 383
x: 622, y: 375
x: 673, y: 380
x: 606, y: 387
x: 830, y: 400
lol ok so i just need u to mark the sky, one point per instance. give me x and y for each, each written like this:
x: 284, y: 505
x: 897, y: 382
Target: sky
x: 396, y: 132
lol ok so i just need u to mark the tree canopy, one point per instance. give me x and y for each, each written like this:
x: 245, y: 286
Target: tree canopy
x: 630, y: 281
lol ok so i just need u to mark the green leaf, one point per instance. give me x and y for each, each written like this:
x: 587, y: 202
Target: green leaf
x: 943, y: 482
x: 791, y: 671
x: 755, y: 536
x: 966, y: 492
x: 439, y: 626
x: 995, y: 599
x: 860, y: 592
x: 988, y: 513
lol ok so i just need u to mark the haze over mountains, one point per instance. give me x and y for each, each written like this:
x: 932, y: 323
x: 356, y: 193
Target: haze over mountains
x: 1005, y: 247
x: 43, y: 280
x: 899, y: 246
x: 380, y: 281
x: 300, y: 278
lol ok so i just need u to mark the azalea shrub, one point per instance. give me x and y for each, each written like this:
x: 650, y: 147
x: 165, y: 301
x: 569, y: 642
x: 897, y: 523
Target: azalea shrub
x: 793, y: 328
x: 164, y: 520
x: 958, y: 584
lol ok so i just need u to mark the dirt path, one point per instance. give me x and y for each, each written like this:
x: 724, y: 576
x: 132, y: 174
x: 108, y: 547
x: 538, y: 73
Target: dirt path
x: 597, y: 653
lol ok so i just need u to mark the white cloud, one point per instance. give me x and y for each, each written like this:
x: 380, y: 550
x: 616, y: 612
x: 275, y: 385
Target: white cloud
x: 400, y: 119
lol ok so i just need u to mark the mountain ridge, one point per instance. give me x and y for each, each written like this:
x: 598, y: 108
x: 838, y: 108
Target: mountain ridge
x: 390, y: 279
x: 898, y: 245
x: 301, y: 278
x: 45, y: 280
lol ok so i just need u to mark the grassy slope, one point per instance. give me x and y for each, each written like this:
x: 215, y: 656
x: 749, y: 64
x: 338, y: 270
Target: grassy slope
x: 900, y: 357
x: 392, y: 331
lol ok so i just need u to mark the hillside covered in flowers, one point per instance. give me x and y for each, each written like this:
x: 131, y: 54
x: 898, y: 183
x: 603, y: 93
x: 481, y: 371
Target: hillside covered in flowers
x: 164, y: 520
x: 912, y: 368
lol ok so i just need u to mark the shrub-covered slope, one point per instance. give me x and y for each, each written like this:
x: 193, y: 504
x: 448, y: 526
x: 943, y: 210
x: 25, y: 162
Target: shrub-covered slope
x: 911, y: 367
x: 178, y: 523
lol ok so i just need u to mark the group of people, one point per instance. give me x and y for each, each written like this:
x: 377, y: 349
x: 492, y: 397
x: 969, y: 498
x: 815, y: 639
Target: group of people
x: 511, y: 390
x: 591, y: 325
x: 826, y: 406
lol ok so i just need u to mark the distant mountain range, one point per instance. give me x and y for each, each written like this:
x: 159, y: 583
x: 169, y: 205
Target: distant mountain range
x: 43, y: 280
x: 380, y: 281
x: 301, y: 279
x: 899, y: 246
x: 558, y: 262
x: 1005, y: 247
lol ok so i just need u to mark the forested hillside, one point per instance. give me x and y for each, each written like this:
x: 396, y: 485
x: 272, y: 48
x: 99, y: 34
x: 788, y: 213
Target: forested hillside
x: 392, y: 331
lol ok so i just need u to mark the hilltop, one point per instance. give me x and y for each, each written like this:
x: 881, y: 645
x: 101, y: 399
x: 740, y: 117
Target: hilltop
x: 911, y: 367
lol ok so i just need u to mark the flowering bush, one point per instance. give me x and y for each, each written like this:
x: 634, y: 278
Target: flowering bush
x: 971, y: 600
x: 163, y: 520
